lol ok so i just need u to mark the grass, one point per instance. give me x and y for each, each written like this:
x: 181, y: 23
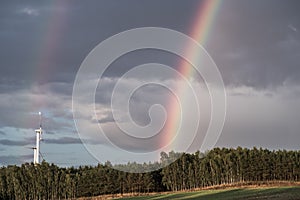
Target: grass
x: 259, y: 193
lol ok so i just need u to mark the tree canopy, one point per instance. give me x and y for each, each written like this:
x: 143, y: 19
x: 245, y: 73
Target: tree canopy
x: 190, y: 171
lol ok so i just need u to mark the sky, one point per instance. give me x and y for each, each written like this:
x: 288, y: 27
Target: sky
x: 254, y: 44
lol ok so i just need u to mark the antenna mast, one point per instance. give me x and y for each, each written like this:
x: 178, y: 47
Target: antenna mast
x: 36, y: 149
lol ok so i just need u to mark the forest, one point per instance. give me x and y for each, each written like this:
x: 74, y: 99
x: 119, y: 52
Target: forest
x: 190, y: 171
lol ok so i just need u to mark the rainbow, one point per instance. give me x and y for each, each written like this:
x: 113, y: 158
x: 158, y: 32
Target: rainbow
x: 201, y: 27
x: 48, y: 43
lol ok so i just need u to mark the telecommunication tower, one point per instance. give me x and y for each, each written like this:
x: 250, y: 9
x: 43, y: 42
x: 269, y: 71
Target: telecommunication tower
x: 36, y: 149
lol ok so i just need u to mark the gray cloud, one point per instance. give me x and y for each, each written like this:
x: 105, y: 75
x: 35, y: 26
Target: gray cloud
x: 29, y: 11
x: 106, y: 120
x: 14, y: 142
x: 21, y: 33
x: 255, y: 37
x: 250, y: 29
x: 63, y: 140
x: 20, y: 108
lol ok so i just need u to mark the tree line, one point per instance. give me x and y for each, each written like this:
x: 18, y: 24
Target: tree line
x: 190, y: 171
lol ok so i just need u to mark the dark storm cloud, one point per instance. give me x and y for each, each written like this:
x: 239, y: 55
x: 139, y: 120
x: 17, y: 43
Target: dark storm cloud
x: 253, y: 44
x: 25, y: 26
x: 25, y: 52
x: 258, y: 34
x: 2, y: 133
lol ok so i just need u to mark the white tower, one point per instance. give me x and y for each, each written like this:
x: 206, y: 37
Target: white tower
x: 36, y: 149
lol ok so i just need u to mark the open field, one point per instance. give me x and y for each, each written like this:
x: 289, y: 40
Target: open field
x: 258, y: 193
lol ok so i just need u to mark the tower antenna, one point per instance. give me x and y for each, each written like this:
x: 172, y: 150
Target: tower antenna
x: 36, y: 149
x: 40, y: 114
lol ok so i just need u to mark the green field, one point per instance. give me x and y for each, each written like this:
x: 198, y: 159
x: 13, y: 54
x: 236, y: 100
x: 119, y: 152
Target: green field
x: 276, y: 193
